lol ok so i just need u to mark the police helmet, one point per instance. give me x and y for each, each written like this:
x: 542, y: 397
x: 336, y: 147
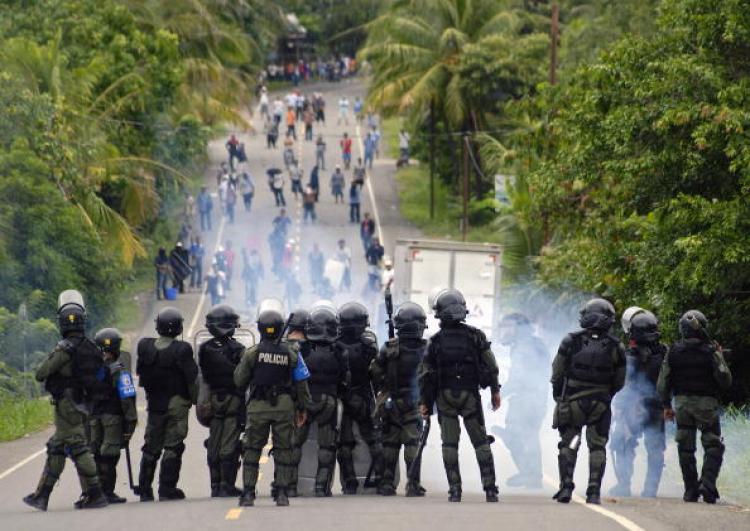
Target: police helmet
x: 693, y: 324
x: 322, y: 325
x: 298, y: 320
x: 270, y: 318
x: 169, y: 322
x: 353, y: 318
x: 222, y: 320
x: 450, y: 306
x: 108, y: 340
x: 627, y: 317
x: 644, y: 328
x: 597, y: 314
x: 410, y: 321
x: 71, y: 312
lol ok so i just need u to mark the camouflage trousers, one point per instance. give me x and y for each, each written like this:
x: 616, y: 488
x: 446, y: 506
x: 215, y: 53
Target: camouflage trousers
x: 358, y: 409
x: 466, y: 404
x: 570, y: 417
x: 165, y: 432
x: 69, y: 440
x: 278, y: 420
x: 106, y: 443
x: 400, y: 428
x: 693, y: 413
x: 223, y: 443
x: 323, y: 412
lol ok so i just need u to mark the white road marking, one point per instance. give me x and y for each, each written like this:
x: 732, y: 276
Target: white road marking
x: 617, y: 518
x: 368, y: 183
x: 18, y: 465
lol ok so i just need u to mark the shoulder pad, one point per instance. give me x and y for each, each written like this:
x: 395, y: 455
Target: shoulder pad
x: 66, y: 346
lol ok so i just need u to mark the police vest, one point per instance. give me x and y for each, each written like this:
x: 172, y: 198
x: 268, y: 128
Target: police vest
x: 86, y: 363
x: 359, y: 355
x: 645, y: 361
x: 691, y: 368
x: 218, y: 359
x: 592, y: 361
x: 325, y: 369
x: 159, y: 373
x: 410, y: 355
x: 457, y: 358
x: 272, y: 367
x: 108, y: 399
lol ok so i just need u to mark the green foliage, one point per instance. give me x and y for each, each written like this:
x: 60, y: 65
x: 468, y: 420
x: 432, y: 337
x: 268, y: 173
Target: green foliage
x: 647, y: 183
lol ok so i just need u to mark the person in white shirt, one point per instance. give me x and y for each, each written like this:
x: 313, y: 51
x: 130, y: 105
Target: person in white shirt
x: 403, y: 144
x: 278, y: 110
x: 263, y: 108
x: 343, y: 110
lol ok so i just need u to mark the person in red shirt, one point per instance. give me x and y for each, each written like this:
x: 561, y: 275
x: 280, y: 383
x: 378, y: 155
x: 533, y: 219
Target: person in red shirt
x: 229, y: 260
x: 346, y: 150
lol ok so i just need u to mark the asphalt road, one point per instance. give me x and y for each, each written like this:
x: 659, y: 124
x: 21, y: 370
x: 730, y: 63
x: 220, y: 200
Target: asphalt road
x: 21, y: 461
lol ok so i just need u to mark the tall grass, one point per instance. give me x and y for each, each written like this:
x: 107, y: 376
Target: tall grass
x: 21, y: 416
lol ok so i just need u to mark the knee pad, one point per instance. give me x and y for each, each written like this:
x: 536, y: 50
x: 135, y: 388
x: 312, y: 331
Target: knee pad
x: 685, y: 438
x: 74, y: 450
x: 55, y: 449
x: 178, y: 449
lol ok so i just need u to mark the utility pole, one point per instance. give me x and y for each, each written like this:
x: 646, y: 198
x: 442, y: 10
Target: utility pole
x: 465, y: 188
x: 432, y: 158
x: 554, y: 36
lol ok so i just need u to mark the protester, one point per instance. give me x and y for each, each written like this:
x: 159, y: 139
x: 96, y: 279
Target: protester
x: 291, y: 120
x: 403, y: 144
x: 370, y: 147
x: 232, y: 146
x: 229, y: 257
x: 319, y: 106
x: 179, y: 263
x: 295, y: 176
x: 367, y: 231
x: 359, y: 173
x: 343, y: 110
x: 346, y: 150
x: 205, y: 206
x: 247, y: 188
x: 282, y: 222
x: 222, y: 173
x: 276, y: 241
x: 213, y: 285
x: 272, y: 134
x: 308, y: 118
x: 337, y: 185
x: 252, y: 273
x: 358, y: 107
x: 161, y: 263
x: 354, y: 202
x: 375, y: 132
x: 320, y: 152
x: 230, y: 200
x: 344, y: 255
x: 278, y: 110
x: 289, y: 158
x: 316, y: 264
x: 374, y: 256
x: 197, y: 253
x: 308, y: 204
x: 277, y: 186
x: 315, y: 182
x: 263, y: 106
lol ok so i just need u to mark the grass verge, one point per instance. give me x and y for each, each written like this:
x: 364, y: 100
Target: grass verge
x: 22, y: 416
x: 734, y: 481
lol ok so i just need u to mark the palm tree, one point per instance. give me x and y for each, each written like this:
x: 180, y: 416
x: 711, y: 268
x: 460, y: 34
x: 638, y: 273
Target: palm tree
x: 417, y: 48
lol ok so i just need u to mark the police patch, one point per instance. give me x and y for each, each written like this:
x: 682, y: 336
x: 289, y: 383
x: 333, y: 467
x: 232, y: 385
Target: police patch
x: 273, y: 359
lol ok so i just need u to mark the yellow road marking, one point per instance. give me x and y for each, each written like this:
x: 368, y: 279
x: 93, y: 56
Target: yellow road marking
x: 263, y: 459
x: 233, y: 514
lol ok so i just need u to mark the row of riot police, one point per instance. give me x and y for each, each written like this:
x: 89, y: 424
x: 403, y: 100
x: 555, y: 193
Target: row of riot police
x: 653, y: 383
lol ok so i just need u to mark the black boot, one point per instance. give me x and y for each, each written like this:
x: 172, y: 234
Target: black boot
x: 214, y: 473
x: 712, y: 459
x: 146, y: 479
x: 228, y: 480
x: 169, y: 475
x: 386, y: 490
x: 689, y: 476
x: 248, y: 498
x: 38, y: 499
x: 281, y: 498
x: 593, y: 495
x: 350, y: 487
x: 108, y: 478
x: 93, y: 499
x: 565, y: 469
x: 454, y: 494
x: 414, y: 490
x: 291, y: 492
x: 491, y: 494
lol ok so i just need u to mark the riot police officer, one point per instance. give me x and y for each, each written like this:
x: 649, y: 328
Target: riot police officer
x: 458, y: 363
x: 692, y: 376
x: 167, y: 371
x: 394, y: 375
x: 637, y: 408
x: 527, y: 392
x: 114, y: 416
x: 276, y: 380
x: 588, y: 370
x: 70, y: 376
x: 218, y: 358
x: 296, y: 327
x: 359, y: 346
x: 327, y: 379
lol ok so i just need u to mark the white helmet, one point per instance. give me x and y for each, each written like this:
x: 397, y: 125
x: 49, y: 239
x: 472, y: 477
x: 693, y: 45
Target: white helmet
x: 627, y: 317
